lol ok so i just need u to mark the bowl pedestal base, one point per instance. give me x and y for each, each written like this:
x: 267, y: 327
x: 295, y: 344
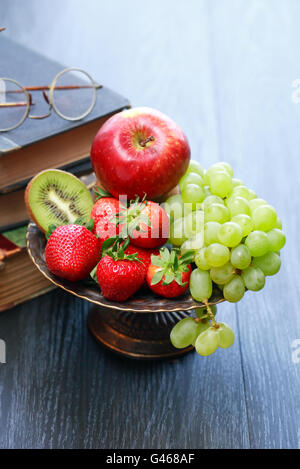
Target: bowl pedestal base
x: 136, y: 335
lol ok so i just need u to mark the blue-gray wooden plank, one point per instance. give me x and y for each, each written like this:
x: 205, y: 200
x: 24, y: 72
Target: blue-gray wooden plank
x: 224, y: 71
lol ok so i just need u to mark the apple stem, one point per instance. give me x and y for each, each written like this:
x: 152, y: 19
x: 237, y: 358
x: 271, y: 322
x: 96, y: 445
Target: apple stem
x: 144, y: 142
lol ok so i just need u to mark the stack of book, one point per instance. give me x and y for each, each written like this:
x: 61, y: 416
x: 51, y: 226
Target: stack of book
x: 32, y: 147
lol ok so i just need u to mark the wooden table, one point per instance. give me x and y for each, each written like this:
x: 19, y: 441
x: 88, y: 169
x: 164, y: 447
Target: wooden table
x: 224, y: 70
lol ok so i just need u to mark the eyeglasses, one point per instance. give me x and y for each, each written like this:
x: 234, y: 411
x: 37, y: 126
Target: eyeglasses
x: 72, y: 95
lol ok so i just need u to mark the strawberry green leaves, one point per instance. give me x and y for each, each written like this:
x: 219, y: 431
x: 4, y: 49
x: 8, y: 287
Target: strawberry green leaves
x: 79, y: 221
x: 51, y: 229
x: 100, y: 193
x: 116, y: 247
x: 170, y: 266
x: 132, y: 218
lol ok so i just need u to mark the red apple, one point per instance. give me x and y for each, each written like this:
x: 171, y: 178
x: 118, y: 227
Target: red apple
x: 140, y: 151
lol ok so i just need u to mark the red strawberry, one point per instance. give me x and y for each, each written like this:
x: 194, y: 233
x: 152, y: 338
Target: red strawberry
x: 72, y: 251
x: 143, y: 254
x: 102, y: 212
x: 147, y: 224
x: 169, y: 274
x: 119, y: 278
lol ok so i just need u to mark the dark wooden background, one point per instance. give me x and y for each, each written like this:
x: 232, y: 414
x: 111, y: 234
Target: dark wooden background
x: 224, y: 71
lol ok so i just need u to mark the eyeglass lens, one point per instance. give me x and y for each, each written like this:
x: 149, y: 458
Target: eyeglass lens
x: 74, y: 94
x: 13, y: 104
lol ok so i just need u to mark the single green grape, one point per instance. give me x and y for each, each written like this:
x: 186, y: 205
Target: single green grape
x: 212, y: 199
x: 203, y: 325
x: 252, y: 194
x: 174, y: 207
x: 278, y: 224
x: 207, y: 342
x: 245, y: 223
x: 211, y: 231
x: 221, y: 184
x: 185, y: 332
x: 222, y: 275
x: 194, y: 243
x: 254, y: 278
x: 216, y: 212
x: 227, y: 167
x: 230, y: 234
x: 192, y: 194
x: 276, y: 239
x: 200, y: 285
x: 258, y: 243
x: 216, y: 254
x: 240, y: 257
x: 237, y: 182
x: 221, y: 166
x: 241, y: 191
x: 226, y: 335
x: 193, y: 223
x: 237, y: 205
x: 270, y: 263
x: 255, y: 203
x: 190, y: 178
x: 212, y: 171
x: 264, y: 218
x: 234, y: 290
x: 177, y: 237
x: 200, y: 260
x: 195, y: 167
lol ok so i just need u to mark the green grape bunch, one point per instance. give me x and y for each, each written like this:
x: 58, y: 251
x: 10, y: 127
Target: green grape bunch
x: 236, y: 238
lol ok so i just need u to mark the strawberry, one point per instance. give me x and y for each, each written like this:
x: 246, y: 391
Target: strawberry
x: 168, y: 274
x: 119, y: 274
x: 72, y: 251
x: 143, y: 254
x: 102, y: 213
x: 146, y: 223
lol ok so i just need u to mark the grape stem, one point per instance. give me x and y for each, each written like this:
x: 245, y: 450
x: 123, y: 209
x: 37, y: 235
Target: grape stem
x: 211, y: 316
x: 237, y: 271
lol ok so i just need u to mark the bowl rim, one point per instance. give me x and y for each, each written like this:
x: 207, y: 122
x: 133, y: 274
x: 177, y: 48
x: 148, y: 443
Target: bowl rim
x: 33, y: 230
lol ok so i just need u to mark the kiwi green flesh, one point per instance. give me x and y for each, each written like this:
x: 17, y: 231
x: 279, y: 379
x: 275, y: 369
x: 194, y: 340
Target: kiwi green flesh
x: 58, y: 198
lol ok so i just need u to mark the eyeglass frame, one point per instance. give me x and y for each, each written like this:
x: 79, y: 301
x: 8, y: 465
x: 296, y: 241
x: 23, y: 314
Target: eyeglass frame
x: 50, y: 100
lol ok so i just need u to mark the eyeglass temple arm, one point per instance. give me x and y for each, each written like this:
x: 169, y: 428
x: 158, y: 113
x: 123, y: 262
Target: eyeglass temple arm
x: 14, y: 104
x: 69, y: 87
x: 21, y: 103
x: 44, y: 88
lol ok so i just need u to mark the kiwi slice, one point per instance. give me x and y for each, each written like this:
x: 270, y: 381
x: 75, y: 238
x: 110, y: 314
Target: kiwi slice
x: 55, y: 197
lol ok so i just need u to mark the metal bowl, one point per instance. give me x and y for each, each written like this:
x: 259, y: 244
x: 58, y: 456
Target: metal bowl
x: 137, y: 328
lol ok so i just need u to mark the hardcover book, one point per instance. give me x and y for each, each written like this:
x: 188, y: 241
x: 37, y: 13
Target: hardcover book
x: 20, y: 280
